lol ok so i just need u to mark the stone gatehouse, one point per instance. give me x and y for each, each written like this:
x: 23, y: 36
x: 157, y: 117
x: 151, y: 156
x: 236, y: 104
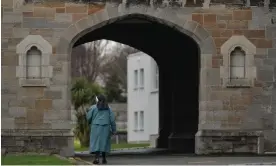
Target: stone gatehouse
x: 224, y: 53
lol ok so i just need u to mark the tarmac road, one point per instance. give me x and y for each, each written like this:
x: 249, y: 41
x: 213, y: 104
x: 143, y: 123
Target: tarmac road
x: 186, y: 160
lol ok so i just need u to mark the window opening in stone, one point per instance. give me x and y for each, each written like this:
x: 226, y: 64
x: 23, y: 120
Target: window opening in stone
x: 33, y: 63
x: 237, y: 64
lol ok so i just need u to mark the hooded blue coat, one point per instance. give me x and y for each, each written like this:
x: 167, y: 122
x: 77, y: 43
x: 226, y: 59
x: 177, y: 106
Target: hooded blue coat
x: 102, y: 123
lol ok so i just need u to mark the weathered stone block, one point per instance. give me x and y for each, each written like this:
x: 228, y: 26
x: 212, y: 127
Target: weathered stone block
x: 261, y: 52
x: 242, y: 15
x: 47, y: 71
x: 262, y: 43
x: 201, y: 33
x: 41, y: 126
x: 36, y: 92
x: 211, y: 75
x: 272, y: 53
x: 210, y: 19
x: 235, y: 24
x: 224, y: 16
x: 44, y: 12
x: 198, y: 17
x: 17, y: 112
x: 211, y: 105
x: 190, y: 26
x: 43, y: 23
x: 70, y: 33
x: 43, y: 104
x: 4, y: 43
x: 12, y: 17
x: 56, y: 115
x: 51, y: 4
x: 60, y: 10
x: 61, y: 125
x: 34, y: 116
x: 7, y: 3
x: 6, y: 31
x: 63, y: 17
x: 78, y: 17
x: 61, y: 74
x: 74, y: 8
x: 60, y: 104
x: 40, y: 144
x: 269, y: 61
x: 45, y: 32
x: 83, y: 24
x: 9, y: 59
x: 7, y: 123
x: 53, y: 94
x: 13, y: 42
x: 265, y: 74
x: 69, y: 150
x: 270, y: 32
x: 8, y: 72
x: 221, y: 115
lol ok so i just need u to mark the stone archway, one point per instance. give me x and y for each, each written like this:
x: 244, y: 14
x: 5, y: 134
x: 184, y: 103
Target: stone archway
x: 166, y: 17
x: 111, y: 14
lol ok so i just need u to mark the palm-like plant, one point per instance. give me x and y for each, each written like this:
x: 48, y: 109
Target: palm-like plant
x: 83, y: 93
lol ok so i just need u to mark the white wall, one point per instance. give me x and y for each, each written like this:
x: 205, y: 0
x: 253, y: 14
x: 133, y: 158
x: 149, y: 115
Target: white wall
x: 142, y: 98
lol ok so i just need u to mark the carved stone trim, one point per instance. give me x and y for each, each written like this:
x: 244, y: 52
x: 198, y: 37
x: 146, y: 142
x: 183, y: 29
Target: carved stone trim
x: 46, y: 70
x: 250, y: 70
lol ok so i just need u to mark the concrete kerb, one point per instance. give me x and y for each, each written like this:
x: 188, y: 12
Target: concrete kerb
x: 70, y: 159
x: 83, y: 161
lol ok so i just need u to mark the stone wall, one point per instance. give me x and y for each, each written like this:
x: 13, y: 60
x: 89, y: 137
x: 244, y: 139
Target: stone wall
x: 37, y: 113
x: 120, y: 137
x: 236, y: 108
x: 120, y: 111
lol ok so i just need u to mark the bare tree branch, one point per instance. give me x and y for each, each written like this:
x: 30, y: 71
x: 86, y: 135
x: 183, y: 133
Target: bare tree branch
x: 117, y: 62
x: 87, y: 59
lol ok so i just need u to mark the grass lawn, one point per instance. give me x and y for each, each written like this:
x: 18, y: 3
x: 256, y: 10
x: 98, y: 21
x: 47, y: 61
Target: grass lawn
x: 32, y: 160
x: 113, y: 146
x: 53, y: 160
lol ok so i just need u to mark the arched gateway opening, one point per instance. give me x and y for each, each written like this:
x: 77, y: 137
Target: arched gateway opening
x: 174, y: 45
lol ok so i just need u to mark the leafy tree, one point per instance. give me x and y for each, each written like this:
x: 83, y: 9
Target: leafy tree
x: 83, y: 95
x: 117, y: 62
x: 113, y: 89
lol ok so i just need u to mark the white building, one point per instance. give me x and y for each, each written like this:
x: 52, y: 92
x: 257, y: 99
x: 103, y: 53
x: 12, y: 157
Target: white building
x: 143, y: 105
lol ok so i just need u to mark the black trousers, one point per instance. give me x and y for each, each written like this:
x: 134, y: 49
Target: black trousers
x: 99, y: 153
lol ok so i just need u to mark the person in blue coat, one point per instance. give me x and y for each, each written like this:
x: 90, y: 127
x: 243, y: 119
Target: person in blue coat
x: 102, y: 126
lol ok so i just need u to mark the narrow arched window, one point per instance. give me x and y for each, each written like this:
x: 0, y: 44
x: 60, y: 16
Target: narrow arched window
x: 237, y: 63
x: 33, y: 63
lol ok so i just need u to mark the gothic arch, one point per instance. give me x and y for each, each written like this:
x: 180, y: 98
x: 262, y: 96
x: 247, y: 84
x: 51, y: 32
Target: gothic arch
x: 167, y: 17
x: 110, y: 14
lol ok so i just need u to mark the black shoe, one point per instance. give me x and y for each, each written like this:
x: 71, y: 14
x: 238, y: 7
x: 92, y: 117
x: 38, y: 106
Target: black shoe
x: 96, y: 161
x: 104, y: 161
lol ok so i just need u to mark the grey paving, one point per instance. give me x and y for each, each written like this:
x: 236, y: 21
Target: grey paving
x: 187, y: 160
x: 128, y: 151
